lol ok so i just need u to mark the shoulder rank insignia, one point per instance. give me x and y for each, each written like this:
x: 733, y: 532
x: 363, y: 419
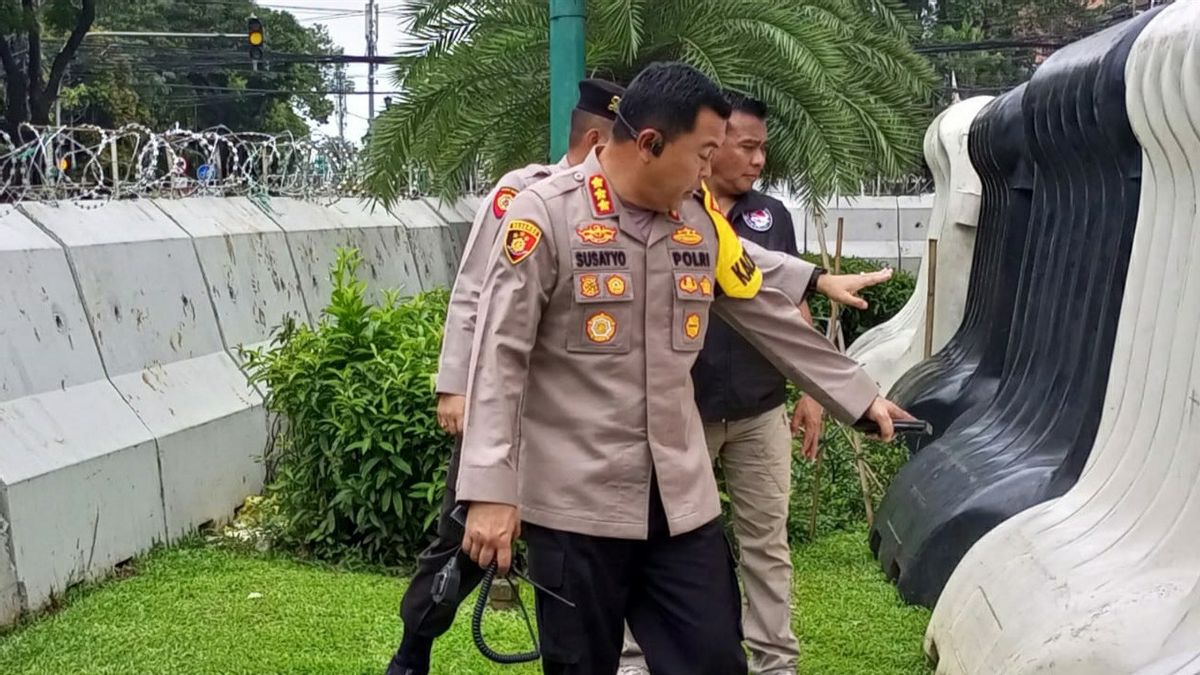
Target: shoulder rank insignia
x: 504, y: 197
x: 520, y: 239
x: 737, y: 274
x: 596, y: 233
x: 687, y: 236
x: 601, y: 197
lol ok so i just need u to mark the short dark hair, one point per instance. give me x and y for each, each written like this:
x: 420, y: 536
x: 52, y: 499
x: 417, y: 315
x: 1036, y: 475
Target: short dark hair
x: 744, y: 103
x: 667, y: 96
x: 582, y: 121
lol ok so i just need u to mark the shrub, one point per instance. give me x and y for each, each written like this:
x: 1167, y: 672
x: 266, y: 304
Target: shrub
x: 885, y: 300
x: 359, y: 460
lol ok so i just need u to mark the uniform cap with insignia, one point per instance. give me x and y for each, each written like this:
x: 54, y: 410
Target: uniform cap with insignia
x: 599, y: 97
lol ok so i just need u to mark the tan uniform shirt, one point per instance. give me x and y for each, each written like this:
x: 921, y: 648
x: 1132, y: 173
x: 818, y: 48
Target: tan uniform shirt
x: 588, y: 329
x: 459, y: 330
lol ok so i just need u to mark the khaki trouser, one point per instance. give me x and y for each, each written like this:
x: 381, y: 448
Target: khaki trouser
x: 756, y: 455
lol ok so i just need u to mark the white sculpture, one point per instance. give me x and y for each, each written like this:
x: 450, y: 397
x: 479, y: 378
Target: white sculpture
x: 1106, y: 579
x: 889, y: 350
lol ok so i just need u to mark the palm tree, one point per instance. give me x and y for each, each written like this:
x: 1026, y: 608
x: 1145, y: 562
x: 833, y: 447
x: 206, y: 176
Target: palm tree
x: 846, y: 92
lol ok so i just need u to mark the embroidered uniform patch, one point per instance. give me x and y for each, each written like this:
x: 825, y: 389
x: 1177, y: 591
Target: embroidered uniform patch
x: 601, y: 327
x: 691, y: 326
x: 687, y: 284
x: 706, y: 286
x: 520, y: 240
x: 589, y: 285
x: 596, y: 233
x: 759, y: 221
x: 601, y: 199
x: 687, y: 236
x: 500, y: 204
x: 616, y: 286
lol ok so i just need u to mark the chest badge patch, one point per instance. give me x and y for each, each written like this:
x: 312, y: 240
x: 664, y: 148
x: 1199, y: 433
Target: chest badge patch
x: 691, y: 326
x: 501, y: 202
x: 706, y: 286
x: 687, y: 284
x: 596, y: 233
x: 687, y: 236
x: 601, y: 200
x: 616, y: 286
x: 759, y: 221
x: 589, y: 285
x: 601, y: 327
x: 520, y: 240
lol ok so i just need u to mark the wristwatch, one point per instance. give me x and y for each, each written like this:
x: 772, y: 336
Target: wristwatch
x: 812, y: 281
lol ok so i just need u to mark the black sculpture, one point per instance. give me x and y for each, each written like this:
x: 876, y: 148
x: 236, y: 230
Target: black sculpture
x: 1029, y: 442
x: 967, y: 370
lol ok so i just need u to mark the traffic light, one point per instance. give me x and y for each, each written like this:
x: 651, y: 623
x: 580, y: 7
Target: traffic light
x: 255, y: 37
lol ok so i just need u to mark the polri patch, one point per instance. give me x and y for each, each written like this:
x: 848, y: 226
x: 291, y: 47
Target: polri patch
x: 691, y: 326
x: 502, y: 201
x: 616, y: 285
x: 520, y: 240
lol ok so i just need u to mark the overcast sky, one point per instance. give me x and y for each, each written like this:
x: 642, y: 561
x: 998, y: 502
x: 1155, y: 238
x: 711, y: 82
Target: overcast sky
x: 346, y: 20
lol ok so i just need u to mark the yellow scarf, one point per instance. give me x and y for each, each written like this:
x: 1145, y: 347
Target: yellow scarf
x: 737, y: 274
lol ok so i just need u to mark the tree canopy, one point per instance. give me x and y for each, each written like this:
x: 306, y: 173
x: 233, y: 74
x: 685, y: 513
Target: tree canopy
x: 846, y: 91
x: 196, y: 83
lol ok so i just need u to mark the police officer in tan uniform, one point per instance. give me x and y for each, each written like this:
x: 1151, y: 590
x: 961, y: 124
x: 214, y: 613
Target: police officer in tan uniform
x: 581, y: 426
x: 424, y: 619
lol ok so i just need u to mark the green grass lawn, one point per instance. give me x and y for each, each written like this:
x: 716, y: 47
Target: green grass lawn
x: 190, y: 610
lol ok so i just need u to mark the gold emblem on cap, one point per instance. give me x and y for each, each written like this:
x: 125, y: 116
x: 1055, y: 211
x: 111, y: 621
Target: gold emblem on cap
x: 614, y: 103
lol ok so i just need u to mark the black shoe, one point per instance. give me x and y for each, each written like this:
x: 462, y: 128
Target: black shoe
x: 412, y: 658
x: 396, y: 667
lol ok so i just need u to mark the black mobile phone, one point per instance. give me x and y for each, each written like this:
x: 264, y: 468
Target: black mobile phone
x: 903, y: 427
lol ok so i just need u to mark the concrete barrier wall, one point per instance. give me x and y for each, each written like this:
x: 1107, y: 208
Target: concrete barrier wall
x: 79, y: 481
x: 892, y: 230
x: 124, y: 417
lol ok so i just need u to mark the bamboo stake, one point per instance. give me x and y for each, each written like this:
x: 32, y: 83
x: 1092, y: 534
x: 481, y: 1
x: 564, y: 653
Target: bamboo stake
x: 929, y: 298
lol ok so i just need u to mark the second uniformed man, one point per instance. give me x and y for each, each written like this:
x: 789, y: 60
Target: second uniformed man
x: 581, y: 424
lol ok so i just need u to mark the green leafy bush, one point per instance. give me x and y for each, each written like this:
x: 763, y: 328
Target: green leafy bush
x: 885, y: 300
x: 358, y: 463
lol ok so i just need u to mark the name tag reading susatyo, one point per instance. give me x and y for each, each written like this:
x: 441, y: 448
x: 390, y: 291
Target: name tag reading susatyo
x: 737, y: 274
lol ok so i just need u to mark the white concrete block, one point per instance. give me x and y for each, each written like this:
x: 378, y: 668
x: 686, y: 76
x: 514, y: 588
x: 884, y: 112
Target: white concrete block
x: 81, y: 485
x: 382, y: 237
x: 79, y: 482
x: 156, y: 328
x: 246, y: 263
x: 1106, y: 579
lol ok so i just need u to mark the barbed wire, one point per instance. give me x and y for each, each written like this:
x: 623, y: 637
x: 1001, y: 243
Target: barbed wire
x: 92, y: 165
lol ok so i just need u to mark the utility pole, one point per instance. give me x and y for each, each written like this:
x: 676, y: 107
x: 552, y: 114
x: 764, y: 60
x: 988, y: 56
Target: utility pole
x: 372, y: 52
x: 567, y: 21
x: 343, y: 85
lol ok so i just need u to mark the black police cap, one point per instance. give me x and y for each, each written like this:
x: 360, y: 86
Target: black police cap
x: 599, y: 97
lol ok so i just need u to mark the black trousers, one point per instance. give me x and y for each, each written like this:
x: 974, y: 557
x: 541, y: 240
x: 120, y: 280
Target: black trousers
x: 421, y: 615
x: 679, y: 595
